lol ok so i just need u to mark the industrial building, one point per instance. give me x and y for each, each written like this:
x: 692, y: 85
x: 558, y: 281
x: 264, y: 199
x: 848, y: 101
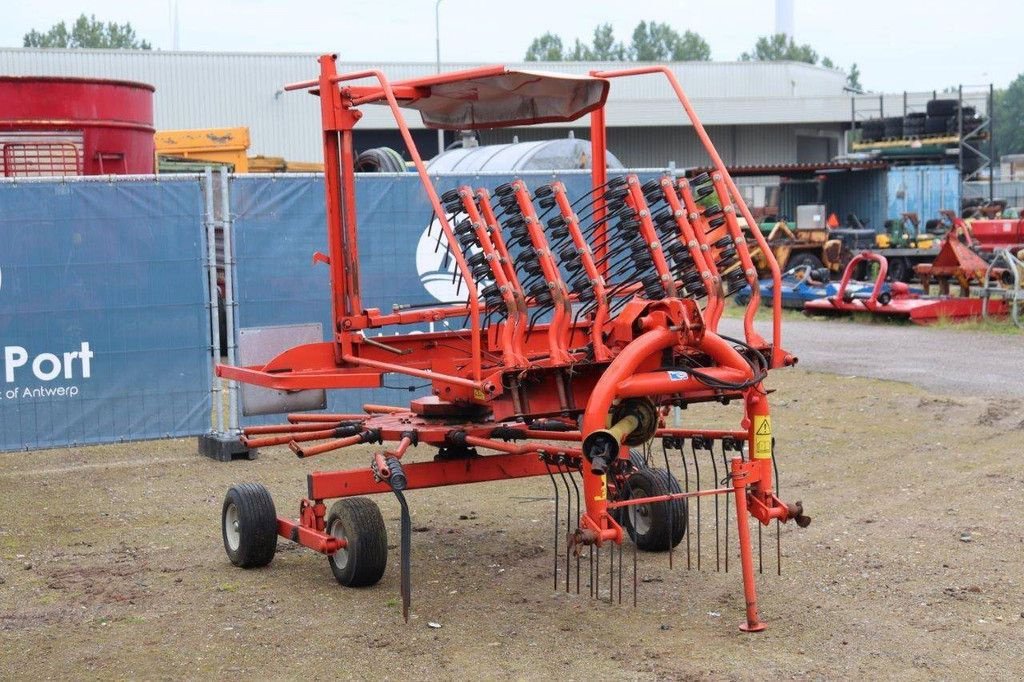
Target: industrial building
x: 756, y: 112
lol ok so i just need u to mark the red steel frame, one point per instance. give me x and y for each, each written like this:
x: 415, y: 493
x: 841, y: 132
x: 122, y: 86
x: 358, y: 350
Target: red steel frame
x: 627, y: 349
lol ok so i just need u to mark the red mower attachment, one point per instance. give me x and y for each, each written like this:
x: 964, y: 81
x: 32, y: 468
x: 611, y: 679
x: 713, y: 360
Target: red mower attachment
x: 587, y: 319
x: 896, y: 299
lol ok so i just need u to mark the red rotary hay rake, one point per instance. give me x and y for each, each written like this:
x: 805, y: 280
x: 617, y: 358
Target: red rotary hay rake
x: 631, y: 279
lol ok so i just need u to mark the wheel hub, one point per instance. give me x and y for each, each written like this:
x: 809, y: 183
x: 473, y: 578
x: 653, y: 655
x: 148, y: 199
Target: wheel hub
x: 231, y: 530
x: 640, y: 518
x: 341, y: 556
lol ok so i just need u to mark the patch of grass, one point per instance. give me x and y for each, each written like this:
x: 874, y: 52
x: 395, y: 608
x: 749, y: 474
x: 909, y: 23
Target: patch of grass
x: 764, y: 312
x: 990, y: 326
x: 227, y: 587
x: 391, y: 603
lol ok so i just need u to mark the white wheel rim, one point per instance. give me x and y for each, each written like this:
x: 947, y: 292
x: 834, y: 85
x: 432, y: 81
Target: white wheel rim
x: 640, y: 518
x: 337, y: 530
x: 234, y: 537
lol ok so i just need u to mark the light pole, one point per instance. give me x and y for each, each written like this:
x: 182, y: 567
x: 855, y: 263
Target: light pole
x: 437, y: 38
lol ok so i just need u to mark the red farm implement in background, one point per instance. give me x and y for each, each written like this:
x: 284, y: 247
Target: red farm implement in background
x: 900, y: 301
x: 587, y: 318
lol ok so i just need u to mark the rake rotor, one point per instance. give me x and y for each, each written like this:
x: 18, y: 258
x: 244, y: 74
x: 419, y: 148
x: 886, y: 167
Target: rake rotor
x: 586, y: 319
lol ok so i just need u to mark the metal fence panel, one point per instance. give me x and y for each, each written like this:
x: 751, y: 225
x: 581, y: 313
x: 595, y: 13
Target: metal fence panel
x: 104, y: 325
x: 279, y: 222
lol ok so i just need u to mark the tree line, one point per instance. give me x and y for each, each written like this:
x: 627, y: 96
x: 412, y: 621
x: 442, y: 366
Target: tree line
x: 659, y: 42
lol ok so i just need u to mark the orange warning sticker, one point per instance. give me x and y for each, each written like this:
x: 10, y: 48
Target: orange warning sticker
x: 762, y: 437
x: 603, y: 495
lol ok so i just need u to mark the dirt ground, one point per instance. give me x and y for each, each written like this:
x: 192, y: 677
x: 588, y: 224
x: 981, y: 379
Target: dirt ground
x: 111, y: 565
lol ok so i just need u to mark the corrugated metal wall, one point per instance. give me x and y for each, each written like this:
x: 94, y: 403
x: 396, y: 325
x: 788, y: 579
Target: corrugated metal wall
x: 660, y: 146
x: 199, y: 90
x: 924, y: 190
x: 875, y: 196
x: 861, y: 193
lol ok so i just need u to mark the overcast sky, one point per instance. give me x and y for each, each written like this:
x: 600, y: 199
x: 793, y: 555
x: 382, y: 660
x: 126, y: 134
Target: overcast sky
x: 898, y: 45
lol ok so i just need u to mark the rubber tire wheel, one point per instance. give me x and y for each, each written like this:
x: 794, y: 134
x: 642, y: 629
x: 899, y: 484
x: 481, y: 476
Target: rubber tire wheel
x: 637, y: 457
x: 936, y: 125
x: 256, y: 519
x: 358, y: 520
x: 942, y: 107
x: 655, y: 537
x: 804, y: 259
x: 900, y: 270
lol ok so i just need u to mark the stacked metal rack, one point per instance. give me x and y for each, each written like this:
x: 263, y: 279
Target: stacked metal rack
x: 952, y: 127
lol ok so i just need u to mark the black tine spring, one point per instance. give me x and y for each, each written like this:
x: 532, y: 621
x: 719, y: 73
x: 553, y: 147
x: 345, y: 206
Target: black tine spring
x: 578, y: 513
x: 728, y: 498
x: 778, y: 524
x: 670, y: 505
x: 620, y: 572
x: 714, y: 471
x: 696, y: 469
x: 680, y: 443
x: 554, y: 484
x: 629, y: 496
x: 568, y: 523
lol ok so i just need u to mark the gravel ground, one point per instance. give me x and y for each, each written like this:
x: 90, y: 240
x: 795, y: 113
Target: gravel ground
x: 946, y: 361
x: 111, y: 564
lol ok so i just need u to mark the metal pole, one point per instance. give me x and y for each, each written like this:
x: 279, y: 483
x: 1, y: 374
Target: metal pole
x: 211, y: 262
x: 960, y: 135
x: 437, y: 39
x: 991, y: 141
x: 230, y: 300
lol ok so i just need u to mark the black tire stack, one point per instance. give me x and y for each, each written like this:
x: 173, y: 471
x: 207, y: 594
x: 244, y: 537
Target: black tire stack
x: 871, y: 130
x: 941, y: 117
x: 892, y: 127
x: 913, y: 124
x: 944, y: 117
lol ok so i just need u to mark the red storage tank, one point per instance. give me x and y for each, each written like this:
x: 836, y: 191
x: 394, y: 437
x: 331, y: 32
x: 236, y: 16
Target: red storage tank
x: 74, y: 126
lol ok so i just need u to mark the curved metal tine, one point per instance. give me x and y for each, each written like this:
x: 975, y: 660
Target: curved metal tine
x: 670, y: 505
x: 728, y: 478
x: 590, y: 558
x: 714, y: 468
x: 778, y: 524
x: 578, y: 512
x: 568, y: 522
x: 696, y: 471
x: 554, y: 484
x: 629, y: 495
x: 680, y: 442
x: 611, y: 574
x: 620, y: 570
x: 405, y: 577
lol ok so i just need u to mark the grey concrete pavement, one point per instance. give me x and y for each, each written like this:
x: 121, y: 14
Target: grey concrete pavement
x: 946, y: 361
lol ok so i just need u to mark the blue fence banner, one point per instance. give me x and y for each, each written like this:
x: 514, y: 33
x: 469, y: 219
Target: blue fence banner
x: 104, y: 319
x: 279, y: 222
